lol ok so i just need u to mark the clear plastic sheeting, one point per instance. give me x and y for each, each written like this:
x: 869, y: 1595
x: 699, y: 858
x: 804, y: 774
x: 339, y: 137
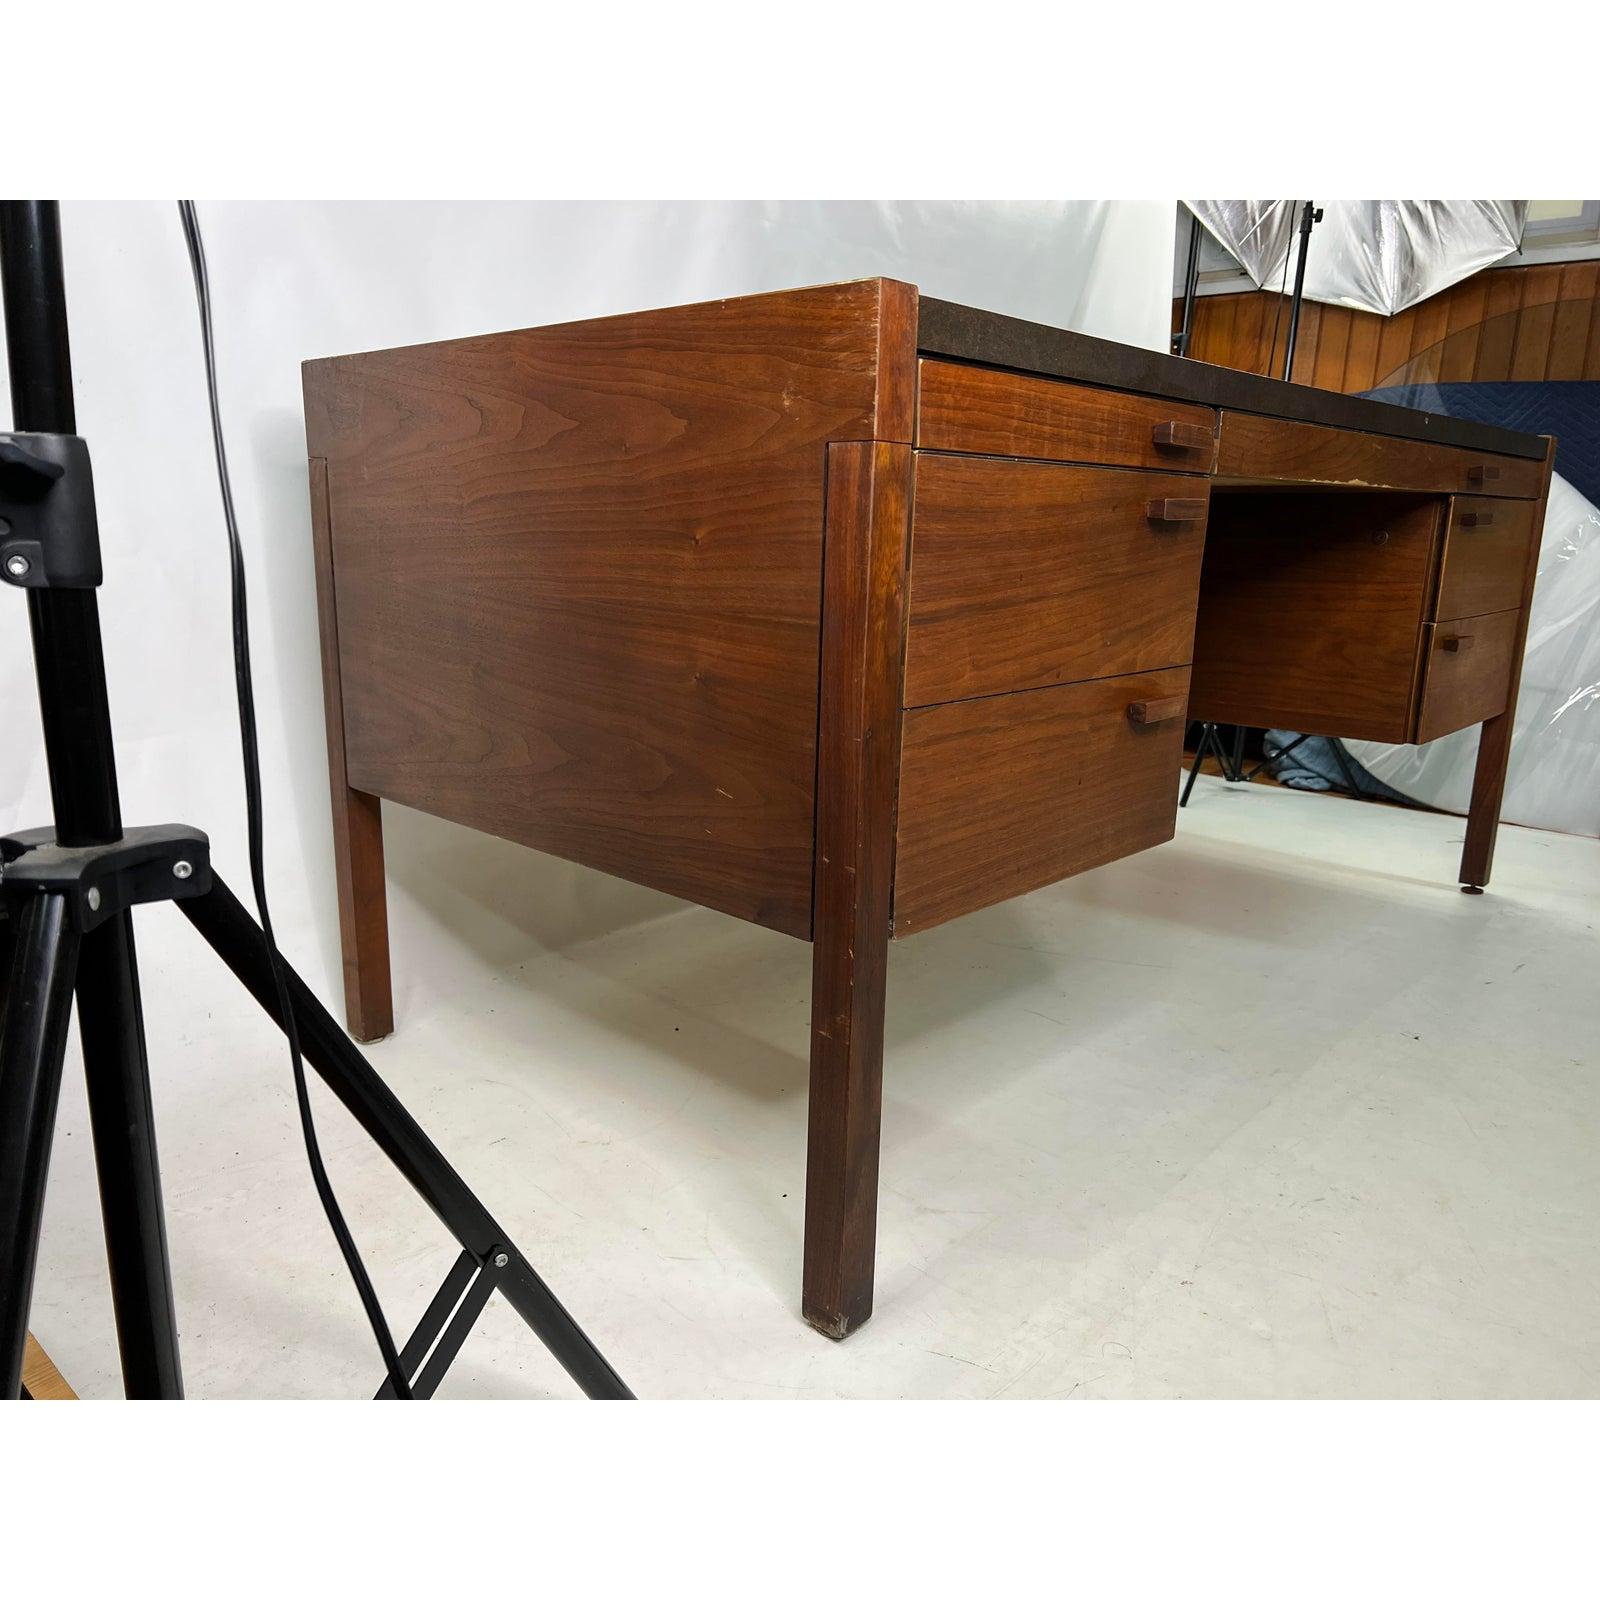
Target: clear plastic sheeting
x: 1555, y: 749
x: 1369, y: 255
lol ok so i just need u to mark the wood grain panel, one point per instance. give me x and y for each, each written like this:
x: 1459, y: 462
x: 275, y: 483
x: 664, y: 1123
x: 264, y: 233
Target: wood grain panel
x: 1486, y: 552
x: 1308, y: 338
x: 41, y: 1379
x: 1497, y: 333
x: 1530, y: 352
x: 1333, y: 345
x: 1394, y: 348
x: 579, y: 577
x: 1463, y: 314
x: 1004, y: 795
x: 1361, y: 364
x: 1467, y: 673
x: 1311, y: 608
x: 1569, y: 331
x: 1509, y: 322
x: 1024, y: 575
x: 1430, y: 323
x: 983, y: 412
x: 1254, y: 449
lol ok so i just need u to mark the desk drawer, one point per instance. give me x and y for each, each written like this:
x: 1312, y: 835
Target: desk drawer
x: 1007, y: 794
x: 1485, y: 556
x: 1252, y: 449
x: 1466, y: 672
x: 1025, y: 575
x: 981, y: 412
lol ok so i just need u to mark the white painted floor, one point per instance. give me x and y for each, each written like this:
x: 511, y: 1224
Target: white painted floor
x: 1270, y: 1111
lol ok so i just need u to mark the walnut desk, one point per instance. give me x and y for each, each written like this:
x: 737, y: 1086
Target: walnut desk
x: 847, y: 612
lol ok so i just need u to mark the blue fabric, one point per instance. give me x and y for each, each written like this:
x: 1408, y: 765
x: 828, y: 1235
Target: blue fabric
x: 1569, y: 410
x: 1313, y: 765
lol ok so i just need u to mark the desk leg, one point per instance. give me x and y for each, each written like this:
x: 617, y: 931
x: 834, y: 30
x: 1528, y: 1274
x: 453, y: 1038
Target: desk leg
x: 363, y: 914
x: 858, y: 760
x: 357, y: 821
x: 1488, y: 787
x: 1494, y: 737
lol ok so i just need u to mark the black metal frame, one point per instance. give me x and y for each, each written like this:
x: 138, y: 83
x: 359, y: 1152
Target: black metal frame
x: 66, y: 931
x: 1232, y: 763
x: 1310, y: 214
x: 1191, y: 283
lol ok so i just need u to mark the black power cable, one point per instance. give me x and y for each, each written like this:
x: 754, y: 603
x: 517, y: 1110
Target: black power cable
x: 252, y: 790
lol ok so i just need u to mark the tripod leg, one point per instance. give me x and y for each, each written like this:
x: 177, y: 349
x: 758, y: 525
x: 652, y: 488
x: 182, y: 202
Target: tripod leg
x: 230, y: 930
x: 1194, y: 772
x: 8, y: 944
x: 34, y: 1039
x: 1207, y: 736
x: 1351, y: 782
x: 117, y: 1070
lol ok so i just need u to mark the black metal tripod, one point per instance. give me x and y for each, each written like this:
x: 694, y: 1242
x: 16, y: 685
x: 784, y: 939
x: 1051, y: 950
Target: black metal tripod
x: 66, y: 895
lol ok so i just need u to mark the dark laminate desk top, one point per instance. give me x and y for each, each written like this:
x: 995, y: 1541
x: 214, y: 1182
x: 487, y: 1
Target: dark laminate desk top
x: 962, y: 333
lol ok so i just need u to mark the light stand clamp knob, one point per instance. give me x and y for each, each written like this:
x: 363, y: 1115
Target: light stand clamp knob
x: 49, y: 534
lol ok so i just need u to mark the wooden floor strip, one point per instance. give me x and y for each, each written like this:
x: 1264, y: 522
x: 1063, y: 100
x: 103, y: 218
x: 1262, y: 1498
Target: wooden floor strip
x: 40, y: 1379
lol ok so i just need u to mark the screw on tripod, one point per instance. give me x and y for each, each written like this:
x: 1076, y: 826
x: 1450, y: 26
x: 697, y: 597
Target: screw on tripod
x: 182, y: 869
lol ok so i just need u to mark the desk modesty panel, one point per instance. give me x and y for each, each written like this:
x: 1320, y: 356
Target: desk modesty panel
x: 846, y: 612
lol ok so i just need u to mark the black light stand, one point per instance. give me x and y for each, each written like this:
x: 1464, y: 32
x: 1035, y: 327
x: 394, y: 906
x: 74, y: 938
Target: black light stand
x: 1232, y: 764
x: 1191, y: 282
x: 65, y: 928
x: 1310, y: 214
x: 1210, y: 738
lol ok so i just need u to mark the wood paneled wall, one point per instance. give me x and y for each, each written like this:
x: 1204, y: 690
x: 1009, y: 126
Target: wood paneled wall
x: 1525, y: 323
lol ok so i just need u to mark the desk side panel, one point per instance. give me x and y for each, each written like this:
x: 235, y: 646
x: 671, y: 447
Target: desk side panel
x: 578, y: 578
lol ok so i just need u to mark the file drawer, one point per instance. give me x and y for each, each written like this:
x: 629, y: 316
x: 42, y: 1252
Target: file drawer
x: 1026, y: 575
x: 1007, y: 794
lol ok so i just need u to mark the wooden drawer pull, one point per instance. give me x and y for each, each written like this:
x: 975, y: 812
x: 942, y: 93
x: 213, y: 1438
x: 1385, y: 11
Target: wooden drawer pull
x: 1475, y: 519
x: 1181, y: 436
x: 1482, y: 473
x: 1175, y: 510
x: 1456, y: 643
x: 1144, y: 712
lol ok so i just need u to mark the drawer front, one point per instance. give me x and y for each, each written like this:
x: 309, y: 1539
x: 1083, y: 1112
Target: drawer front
x: 1253, y: 449
x: 1466, y: 673
x: 1485, y: 556
x: 1008, y: 794
x: 981, y: 412
x: 1025, y: 575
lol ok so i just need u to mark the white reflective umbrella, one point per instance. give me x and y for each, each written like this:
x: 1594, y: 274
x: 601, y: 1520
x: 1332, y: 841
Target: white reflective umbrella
x: 1370, y: 255
x: 1258, y: 234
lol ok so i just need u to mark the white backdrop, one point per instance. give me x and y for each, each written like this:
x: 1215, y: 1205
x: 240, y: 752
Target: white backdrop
x: 291, y: 281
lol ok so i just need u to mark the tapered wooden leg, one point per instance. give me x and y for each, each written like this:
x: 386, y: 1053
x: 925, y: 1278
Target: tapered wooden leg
x: 357, y: 822
x: 864, y: 574
x: 1488, y: 789
x: 363, y: 914
x: 1494, y: 737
